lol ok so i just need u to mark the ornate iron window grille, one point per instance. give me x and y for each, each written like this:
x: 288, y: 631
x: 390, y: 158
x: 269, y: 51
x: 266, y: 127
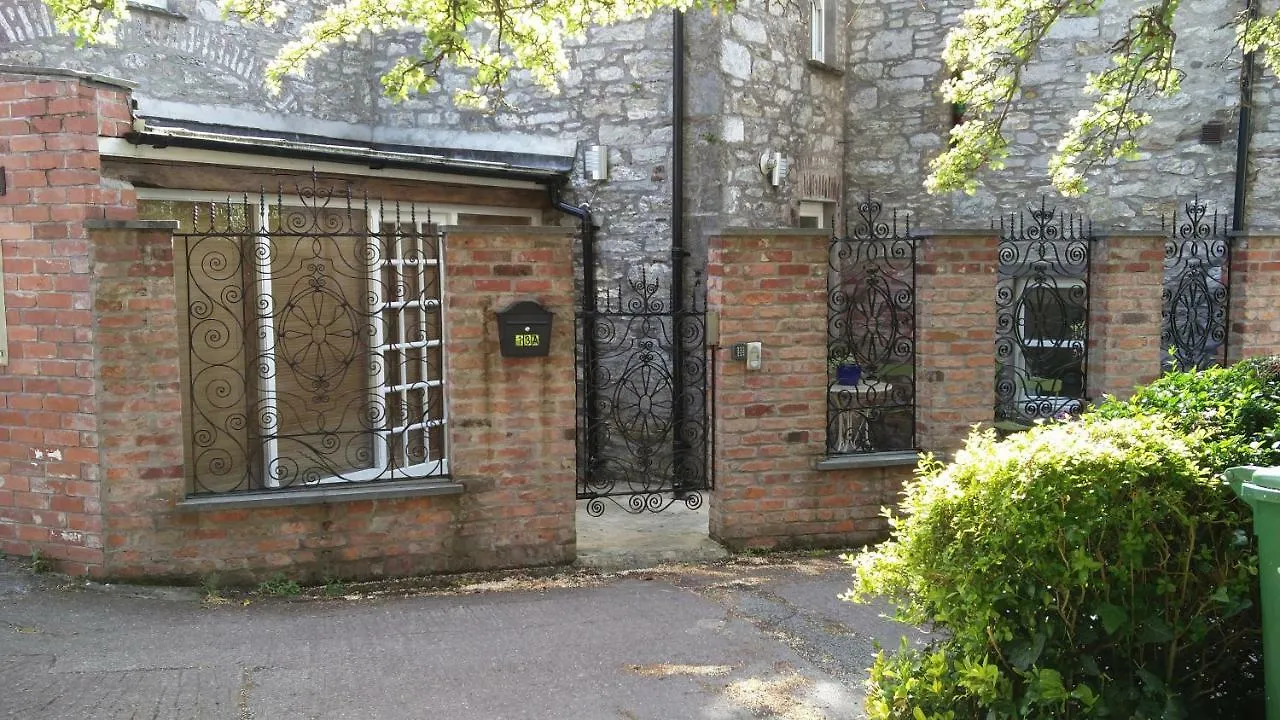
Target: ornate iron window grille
x: 1042, y: 315
x: 871, y: 335
x: 643, y: 440
x: 314, y: 342
x: 1197, y: 291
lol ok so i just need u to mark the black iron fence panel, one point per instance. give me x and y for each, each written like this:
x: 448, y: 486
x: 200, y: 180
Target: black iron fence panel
x: 312, y: 342
x: 643, y: 438
x: 1196, y: 297
x: 1042, y: 315
x: 871, y: 335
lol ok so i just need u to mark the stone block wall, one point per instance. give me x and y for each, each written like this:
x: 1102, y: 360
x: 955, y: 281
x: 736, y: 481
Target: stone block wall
x: 49, y: 434
x: 902, y: 121
x: 771, y: 423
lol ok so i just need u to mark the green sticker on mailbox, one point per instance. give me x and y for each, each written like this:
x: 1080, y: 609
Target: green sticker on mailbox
x: 524, y: 330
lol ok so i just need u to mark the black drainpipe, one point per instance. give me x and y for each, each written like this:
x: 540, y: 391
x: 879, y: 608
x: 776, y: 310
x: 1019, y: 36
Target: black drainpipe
x: 678, y: 252
x: 1244, y: 134
x: 590, y: 429
x: 1244, y: 138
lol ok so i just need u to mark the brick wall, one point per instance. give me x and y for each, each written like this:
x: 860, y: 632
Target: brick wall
x: 1255, y: 296
x: 1125, y: 299
x: 955, y: 337
x: 513, y: 418
x: 771, y: 286
x: 49, y: 127
x: 511, y: 433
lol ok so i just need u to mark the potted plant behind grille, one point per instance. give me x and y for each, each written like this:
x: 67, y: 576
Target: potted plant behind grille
x: 846, y: 369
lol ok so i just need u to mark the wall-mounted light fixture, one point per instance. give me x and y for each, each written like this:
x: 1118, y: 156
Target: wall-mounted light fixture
x: 774, y: 167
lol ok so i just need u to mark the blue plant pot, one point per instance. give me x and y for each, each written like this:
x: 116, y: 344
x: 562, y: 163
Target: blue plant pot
x: 848, y: 374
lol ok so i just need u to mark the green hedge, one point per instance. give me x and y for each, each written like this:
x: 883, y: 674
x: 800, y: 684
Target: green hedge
x: 1234, y: 412
x: 1087, y: 569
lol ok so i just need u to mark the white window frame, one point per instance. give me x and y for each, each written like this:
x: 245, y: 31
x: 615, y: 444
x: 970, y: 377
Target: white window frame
x: 818, y: 30
x: 426, y: 215
x: 1060, y: 403
x: 822, y: 31
x: 164, y: 5
x: 813, y: 209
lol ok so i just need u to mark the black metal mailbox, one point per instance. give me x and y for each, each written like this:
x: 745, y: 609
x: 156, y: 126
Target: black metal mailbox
x: 524, y: 330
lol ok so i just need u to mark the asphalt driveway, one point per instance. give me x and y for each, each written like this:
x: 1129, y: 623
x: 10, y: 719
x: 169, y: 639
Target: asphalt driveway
x: 751, y: 638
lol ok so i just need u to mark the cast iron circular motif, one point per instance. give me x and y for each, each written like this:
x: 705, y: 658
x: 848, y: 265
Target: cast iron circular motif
x: 318, y: 338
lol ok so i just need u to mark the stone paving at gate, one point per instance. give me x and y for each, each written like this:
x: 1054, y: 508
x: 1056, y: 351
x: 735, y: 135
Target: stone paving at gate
x: 621, y: 540
x: 752, y: 637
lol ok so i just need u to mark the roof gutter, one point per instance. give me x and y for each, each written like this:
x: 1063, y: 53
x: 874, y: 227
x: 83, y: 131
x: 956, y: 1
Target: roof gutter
x: 374, y: 157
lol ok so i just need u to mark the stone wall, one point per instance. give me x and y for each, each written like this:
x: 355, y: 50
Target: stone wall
x: 900, y: 120
x: 618, y: 94
x: 752, y: 90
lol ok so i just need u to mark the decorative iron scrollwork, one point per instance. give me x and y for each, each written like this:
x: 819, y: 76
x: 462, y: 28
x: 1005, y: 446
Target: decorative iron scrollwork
x: 871, y: 324
x: 1042, y: 311
x: 642, y: 421
x: 1196, y: 294
x: 314, y: 345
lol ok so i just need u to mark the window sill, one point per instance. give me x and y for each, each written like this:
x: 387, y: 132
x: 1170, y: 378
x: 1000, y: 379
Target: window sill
x: 323, y: 495
x: 869, y: 460
x: 820, y: 65
x: 165, y: 10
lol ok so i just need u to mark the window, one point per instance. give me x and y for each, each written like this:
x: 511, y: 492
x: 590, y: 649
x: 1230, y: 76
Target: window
x: 822, y: 31
x: 312, y: 339
x: 1049, y: 367
x: 151, y: 5
x: 812, y: 214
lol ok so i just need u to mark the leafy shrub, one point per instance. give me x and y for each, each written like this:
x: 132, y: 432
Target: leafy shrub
x: 1235, y: 411
x: 1086, y: 569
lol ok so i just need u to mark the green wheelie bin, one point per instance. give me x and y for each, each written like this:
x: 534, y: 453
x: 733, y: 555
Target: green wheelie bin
x: 1260, y: 487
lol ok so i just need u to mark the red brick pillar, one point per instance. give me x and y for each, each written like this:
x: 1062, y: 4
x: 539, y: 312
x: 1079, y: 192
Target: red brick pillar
x: 1255, y: 296
x: 1125, y: 300
x: 49, y: 127
x: 955, y: 338
x: 511, y: 419
x: 773, y: 485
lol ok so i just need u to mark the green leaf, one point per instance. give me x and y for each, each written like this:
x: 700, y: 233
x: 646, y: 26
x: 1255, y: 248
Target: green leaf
x: 1047, y: 685
x: 1112, y: 616
x: 1024, y: 654
x: 1155, y: 630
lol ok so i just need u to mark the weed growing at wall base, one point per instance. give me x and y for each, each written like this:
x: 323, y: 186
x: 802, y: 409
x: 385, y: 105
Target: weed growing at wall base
x: 278, y: 585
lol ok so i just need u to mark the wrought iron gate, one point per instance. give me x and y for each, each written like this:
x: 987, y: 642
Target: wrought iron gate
x: 643, y: 389
x: 1042, y: 311
x: 1196, y: 290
